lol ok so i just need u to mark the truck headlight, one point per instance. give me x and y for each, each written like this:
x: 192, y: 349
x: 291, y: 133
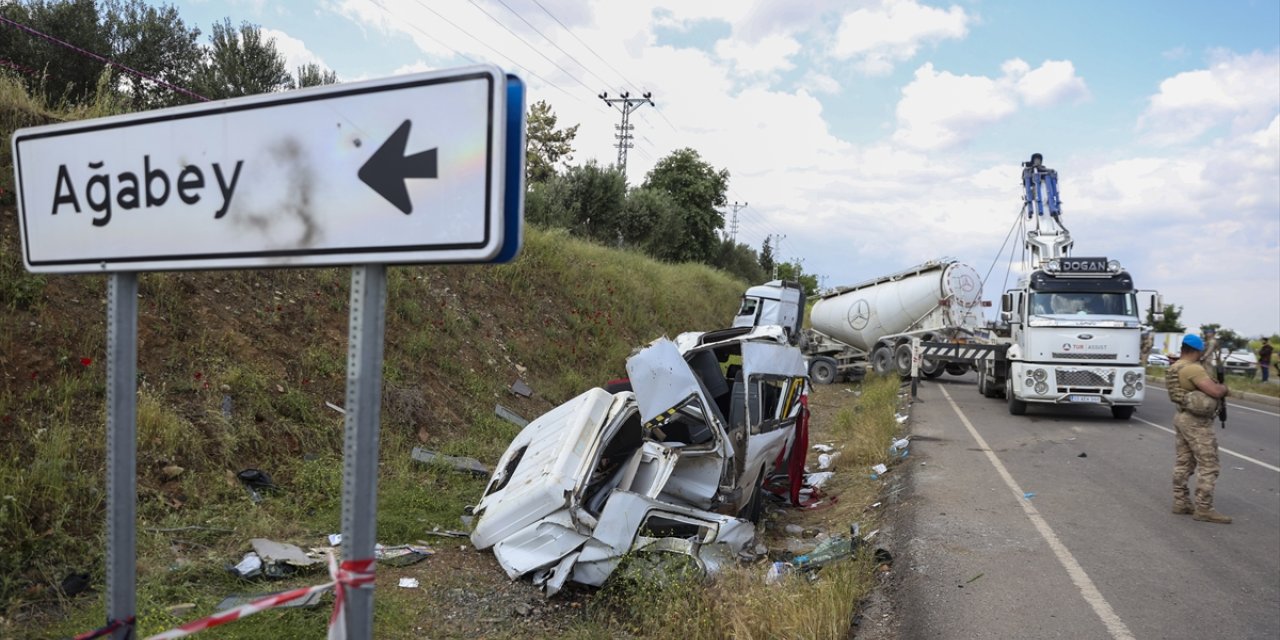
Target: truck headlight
x: 1138, y: 386
x: 1039, y: 375
x: 1042, y: 388
x: 1128, y: 391
x: 1113, y: 266
x: 1030, y: 382
x: 1131, y: 377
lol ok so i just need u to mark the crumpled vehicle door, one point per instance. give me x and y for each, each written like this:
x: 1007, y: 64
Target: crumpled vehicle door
x: 676, y: 410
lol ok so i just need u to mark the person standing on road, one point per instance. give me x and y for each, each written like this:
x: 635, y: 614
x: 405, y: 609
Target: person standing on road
x: 1264, y: 359
x: 1196, y: 396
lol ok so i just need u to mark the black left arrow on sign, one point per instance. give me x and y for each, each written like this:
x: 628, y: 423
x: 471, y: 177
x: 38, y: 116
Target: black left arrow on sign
x: 387, y: 169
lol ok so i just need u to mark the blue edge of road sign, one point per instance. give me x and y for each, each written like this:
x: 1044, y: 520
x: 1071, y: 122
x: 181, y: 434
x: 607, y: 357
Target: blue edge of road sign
x: 513, y: 192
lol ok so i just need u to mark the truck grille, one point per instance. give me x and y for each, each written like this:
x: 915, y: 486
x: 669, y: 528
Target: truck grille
x: 1084, y: 356
x: 1084, y: 378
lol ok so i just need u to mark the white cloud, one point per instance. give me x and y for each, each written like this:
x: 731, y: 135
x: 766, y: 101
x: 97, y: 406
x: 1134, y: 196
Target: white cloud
x: 1240, y: 91
x: 766, y: 55
x: 295, y: 51
x: 818, y: 82
x: 416, y: 66
x: 879, y: 37
x: 939, y: 109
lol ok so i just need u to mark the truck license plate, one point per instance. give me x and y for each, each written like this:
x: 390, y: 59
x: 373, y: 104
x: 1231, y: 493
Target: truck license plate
x: 1086, y: 399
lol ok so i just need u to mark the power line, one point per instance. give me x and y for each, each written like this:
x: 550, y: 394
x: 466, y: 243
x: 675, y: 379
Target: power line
x: 584, y: 44
x: 487, y: 45
x: 553, y: 43
x: 526, y: 43
x: 430, y: 37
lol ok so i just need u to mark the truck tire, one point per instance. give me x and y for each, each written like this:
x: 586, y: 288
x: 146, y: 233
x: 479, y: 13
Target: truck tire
x: 882, y: 360
x: 823, y: 370
x: 957, y: 369
x: 902, y: 360
x: 988, y: 386
x: 1016, y: 407
x: 931, y: 368
x: 1122, y: 412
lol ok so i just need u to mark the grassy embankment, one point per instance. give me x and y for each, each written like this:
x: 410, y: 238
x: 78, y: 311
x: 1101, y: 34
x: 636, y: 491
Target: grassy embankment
x: 272, y: 344
x: 1237, y: 384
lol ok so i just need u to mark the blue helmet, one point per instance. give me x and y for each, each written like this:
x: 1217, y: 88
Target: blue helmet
x: 1193, y: 341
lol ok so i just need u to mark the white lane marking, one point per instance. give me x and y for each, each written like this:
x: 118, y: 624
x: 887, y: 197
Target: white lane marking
x: 1238, y: 455
x: 1081, y: 579
x: 1240, y: 406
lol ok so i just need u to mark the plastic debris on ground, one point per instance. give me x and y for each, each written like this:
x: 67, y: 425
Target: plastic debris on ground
x: 825, y: 460
x: 823, y: 448
x: 816, y: 480
x: 899, y: 447
x: 778, y: 571
x: 1029, y: 495
x: 401, y: 555
x: 468, y: 465
x: 239, y: 599
x: 879, y: 470
x: 409, y: 583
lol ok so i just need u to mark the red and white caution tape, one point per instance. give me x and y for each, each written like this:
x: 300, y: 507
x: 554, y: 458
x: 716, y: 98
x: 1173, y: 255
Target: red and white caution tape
x: 350, y: 574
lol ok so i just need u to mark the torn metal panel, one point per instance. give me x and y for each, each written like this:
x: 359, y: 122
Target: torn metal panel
x: 510, y: 416
x: 539, y: 545
x: 468, y: 465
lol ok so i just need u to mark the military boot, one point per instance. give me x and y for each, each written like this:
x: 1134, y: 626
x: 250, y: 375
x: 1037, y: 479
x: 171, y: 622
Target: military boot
x: 1209, y: 515
x: 1182, y: 508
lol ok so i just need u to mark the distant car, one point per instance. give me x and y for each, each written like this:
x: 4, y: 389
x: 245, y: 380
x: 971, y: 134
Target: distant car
x: 1158, y: 360
x: 1241, y: 363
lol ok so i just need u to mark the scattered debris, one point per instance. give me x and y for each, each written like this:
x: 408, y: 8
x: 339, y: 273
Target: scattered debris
x: 794, y: 529
x: 510, y: 416
x: 1029, y: 495
x: 335, y: 539
x: 521, y: 389
x: 469, y: 465
x: 825, y: 460
x: 879, y: 470
x: 171, y: 471
x: 335, y: 407
x: 971, y: 580
x: 1083, y: 455
x: 181, y: 610
x: 468, y: 523
x: 281, y: 552
x: 249, y: 567
x: 74, y: 584
x: 873, y: 506
x: 239, y: 599
x: 823, y: 448
x: 883, y: 558
x: 409, y: 583
x: 447, y: 534
x: 778, y: 571
x: 816, y: 480
x: 226, y: 403
x: 256, y: 481
x: 401, y: 555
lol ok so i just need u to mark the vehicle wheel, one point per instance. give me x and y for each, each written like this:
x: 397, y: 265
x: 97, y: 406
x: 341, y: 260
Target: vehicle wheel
x: 902, y: 360
x: 932, y: 368
x: 1122, y: 412
x: 882, y: 360
x: 822, y: 371
x: 1016, y: 407
x: 982, y: 382
x: 957, y: 369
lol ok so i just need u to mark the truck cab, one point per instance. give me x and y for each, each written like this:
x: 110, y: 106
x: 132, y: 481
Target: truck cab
x: 778, y: 303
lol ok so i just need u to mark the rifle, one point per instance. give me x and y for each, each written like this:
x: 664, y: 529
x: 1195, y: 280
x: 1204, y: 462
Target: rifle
x: 1220, y: 370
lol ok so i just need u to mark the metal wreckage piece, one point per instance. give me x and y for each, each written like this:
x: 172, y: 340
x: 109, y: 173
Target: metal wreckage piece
x: 675, y: 465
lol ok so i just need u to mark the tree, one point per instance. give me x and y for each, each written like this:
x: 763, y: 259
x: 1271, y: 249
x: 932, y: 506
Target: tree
x: 740, y: 261
x: 240, y: 62
x: 545, y: 146
x: 595, y: 201
x: 697, y: 189
x: 313, y: 75
x: 643, y: 214
x: 1227, y: 339
x: 793, y: 272
x: 59, y: 74
x: 766, y: 257
x: 1170, y: 322
x: 154, y: 41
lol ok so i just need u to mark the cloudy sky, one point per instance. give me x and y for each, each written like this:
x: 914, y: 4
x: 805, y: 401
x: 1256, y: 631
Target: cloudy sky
x: 877, y: 134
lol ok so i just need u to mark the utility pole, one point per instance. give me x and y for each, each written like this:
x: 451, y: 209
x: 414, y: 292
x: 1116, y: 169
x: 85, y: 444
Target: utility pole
x: 733, y: 224
x: 626, y: 104
x: 777, y: 252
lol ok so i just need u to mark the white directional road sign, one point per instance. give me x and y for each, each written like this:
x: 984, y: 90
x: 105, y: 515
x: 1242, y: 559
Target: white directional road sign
x: 420, y: 168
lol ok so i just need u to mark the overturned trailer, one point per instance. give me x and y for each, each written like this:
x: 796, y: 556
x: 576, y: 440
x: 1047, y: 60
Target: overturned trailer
x: 676, y: 464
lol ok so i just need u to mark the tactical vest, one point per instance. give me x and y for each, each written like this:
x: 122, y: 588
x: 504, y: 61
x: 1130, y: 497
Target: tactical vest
x: 1195, y: 402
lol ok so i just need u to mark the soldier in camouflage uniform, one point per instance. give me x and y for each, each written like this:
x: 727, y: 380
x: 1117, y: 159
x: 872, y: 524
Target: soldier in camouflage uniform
x: 1196, y: 396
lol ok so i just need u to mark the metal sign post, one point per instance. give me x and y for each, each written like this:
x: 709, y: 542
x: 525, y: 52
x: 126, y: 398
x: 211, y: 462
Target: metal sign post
x: 915, y: 367
x: 122, y: 449
x: 360, y: 450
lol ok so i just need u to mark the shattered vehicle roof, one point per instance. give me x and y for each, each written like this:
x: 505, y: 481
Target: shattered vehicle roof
x: 668, y: 467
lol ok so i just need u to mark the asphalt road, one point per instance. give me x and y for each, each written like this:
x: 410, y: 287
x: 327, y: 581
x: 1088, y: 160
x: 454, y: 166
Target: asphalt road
x: 1057, y: 524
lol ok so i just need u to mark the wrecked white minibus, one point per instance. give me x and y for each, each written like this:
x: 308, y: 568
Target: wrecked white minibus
x: 676, y: 464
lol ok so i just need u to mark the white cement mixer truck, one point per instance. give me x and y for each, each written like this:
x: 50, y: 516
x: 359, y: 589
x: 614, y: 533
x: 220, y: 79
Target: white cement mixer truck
x: 872, y: 323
